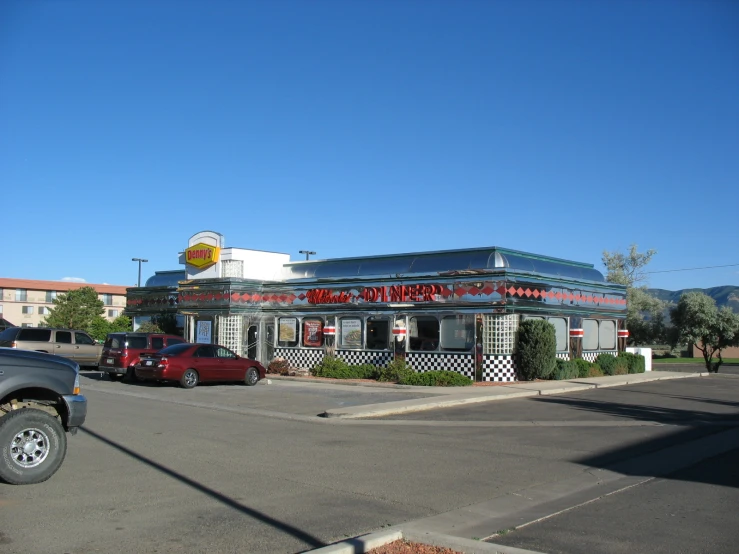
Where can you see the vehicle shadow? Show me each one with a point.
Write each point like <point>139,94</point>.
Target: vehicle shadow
<point>305,537</point>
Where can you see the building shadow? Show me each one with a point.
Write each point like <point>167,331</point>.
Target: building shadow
<point>299,534</point>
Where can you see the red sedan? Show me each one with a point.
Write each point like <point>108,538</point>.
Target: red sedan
<point>189,364</point>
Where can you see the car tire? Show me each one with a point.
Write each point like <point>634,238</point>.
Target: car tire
<point>252,377</point>
<point>189,379</point>
<point>33,445</point>
<point>130,376</point>
<point>115,376</point>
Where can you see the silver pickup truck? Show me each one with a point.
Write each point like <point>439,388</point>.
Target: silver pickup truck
<point>40,402</point>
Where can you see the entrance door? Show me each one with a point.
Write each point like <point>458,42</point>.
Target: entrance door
<point>251,342</point>
<point>267,344</point>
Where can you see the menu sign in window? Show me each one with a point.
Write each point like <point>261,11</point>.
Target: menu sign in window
<point>351,333</point>
<point>288,331</point>
<point>313,332</point>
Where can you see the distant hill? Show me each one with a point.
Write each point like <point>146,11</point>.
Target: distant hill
<point>724,296</point>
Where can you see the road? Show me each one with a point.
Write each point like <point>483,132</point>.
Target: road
<point>229,468</point>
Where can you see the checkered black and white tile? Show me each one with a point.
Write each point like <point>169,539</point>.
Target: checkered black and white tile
<point>303,358</point>
<point>498,368</point>
<point>461,363</point>
<point>591,356</point>
<point>359,357</point>
<point>563,355</point>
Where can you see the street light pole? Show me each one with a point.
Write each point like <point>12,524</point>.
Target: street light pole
<point>306,252</point>
<point>140,260</point>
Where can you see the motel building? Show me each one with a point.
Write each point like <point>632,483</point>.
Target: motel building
<point>456,310</point>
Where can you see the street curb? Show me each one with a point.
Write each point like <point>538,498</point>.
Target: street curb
<point>360,544</point>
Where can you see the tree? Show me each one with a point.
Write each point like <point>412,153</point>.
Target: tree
<point>101,327</point>
<point>537,349</point>
<point>701,323</point>
<point>644,313</point>
<point>75,309</point>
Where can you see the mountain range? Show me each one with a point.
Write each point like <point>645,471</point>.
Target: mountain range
<point>724,296</point>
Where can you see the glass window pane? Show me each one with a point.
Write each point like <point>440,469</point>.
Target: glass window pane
<point>64,337</point>
<point>157,343</point>
<point>590,334</point>
<point>313,332</point>
<point>458,333</point>
<point>607,335</point>
<point>378,333</point>
<point>82,338</point>
<point>350,334</point>
<point>205,352</point>
<point>560,332</point>
<point>288,331</point>
<point>424,333</point>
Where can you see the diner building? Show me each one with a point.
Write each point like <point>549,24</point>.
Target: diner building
<point>456,310</point>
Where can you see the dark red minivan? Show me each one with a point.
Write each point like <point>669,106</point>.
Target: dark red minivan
<point>121,352</point>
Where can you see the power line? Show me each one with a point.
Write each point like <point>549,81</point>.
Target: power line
<point>692,268</point>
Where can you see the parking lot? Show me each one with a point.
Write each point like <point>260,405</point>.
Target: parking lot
<point>230,468</point>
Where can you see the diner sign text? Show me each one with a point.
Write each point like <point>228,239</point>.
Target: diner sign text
<point>395,293</point>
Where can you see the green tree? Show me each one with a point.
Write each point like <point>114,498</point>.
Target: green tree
<point>101,327</point>
<point>645,318</point>
<point>537,349</point>
<point>75,309</point>
<point>701,323</point>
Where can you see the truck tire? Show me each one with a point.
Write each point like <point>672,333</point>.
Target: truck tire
<point>32,446</point>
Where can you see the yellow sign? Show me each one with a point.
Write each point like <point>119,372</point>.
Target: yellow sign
<point>202,255</point>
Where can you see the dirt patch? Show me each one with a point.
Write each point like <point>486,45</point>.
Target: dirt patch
<point>407,547</point>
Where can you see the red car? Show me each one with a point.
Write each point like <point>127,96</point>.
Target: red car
<point>189,364</point>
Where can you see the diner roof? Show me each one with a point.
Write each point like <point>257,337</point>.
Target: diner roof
<point>444,262</point>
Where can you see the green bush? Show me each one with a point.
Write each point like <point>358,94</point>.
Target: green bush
<point>607,363</point>
<point>634,362</point>
<point>336,368</point>
<point>583,367</point>
<point>565,370</point>
<point>594,371</point>
<point>622,366</point>
<point>537,349</point>
<point>436,379</point>
<point>395,371</point>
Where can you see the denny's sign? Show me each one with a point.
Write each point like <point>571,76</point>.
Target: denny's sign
<point>202,255</point>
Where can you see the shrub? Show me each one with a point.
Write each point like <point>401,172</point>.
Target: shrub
<point>607,363</point>
<point>634,362</point>
<point>279,366</point>
<point>537,349</point>
<point>621,367</point>
<point>583,367</point>
<point>565,370</point>
<point>436,379</point>
<point>595,371</point>
<point>395,371</point>
<point>336,368</point>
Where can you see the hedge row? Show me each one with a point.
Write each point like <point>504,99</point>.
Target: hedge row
<point>605,364</point>
<point>397,371</point>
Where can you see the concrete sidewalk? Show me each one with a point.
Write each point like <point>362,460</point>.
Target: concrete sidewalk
<point>456,396</point>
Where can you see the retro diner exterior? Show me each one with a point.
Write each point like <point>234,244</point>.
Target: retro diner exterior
<point>457,310</point>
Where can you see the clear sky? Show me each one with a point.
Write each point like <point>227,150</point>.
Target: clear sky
<point>356,128</point>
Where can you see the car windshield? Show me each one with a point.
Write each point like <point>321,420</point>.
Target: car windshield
<point>175,349</point>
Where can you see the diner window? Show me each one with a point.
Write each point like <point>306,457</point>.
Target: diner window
<point>607,335</point>
<point>378,334</point>
<point>27,309</point>
<point>21,295</point>
<point>424,333</point>
<point>287,334</point>
<point>458,333</point>
<point>50,295</point>
<point>313,332</point>
<point>350,332</point>
<point>560,332</point>
<point>599,335</point>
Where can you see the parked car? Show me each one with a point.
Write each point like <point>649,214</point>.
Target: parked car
<point>69,343</point>
<point>190,364</point>
<point>39,400</point>
<point>121,351</point>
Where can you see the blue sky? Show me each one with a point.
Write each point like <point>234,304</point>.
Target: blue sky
<point>357,128</point>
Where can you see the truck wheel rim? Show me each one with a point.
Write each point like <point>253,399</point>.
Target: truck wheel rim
<point>29,448</point>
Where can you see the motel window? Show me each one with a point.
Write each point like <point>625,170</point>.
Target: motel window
<point>599,335</point>
<point>42,310</point>
<point>65,337</point>
<point>1,308</point>
<point>112,313</point>
<point>313,332</point>
<point>21,295</point>
<point>50,295</point>
<point>424,333</point>
<point>458,333</point>
<point>27,309</point>
<point>287,333</point>
<point>107,299</point>
<point>26,325</point>
<point>350,332</point>
<point>378,334</point>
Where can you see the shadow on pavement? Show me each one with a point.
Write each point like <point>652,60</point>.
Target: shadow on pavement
<point>299,534</point>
